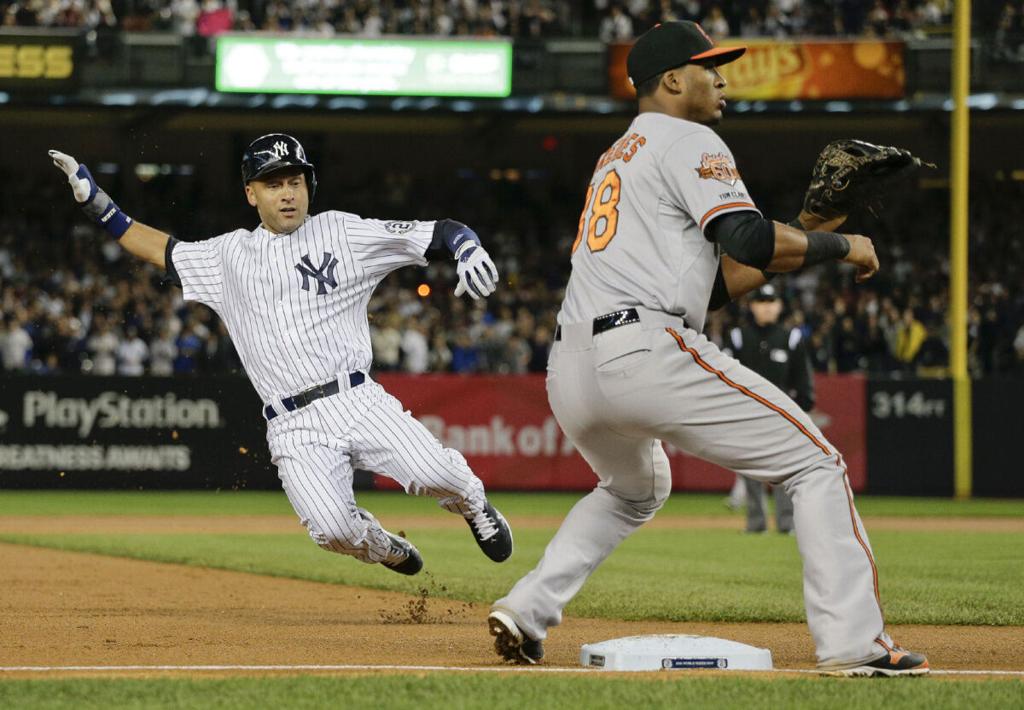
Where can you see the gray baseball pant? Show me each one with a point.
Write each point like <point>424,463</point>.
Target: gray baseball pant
<point>619,394</point>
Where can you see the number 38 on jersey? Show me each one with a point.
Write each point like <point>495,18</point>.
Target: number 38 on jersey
<point>600,217</point>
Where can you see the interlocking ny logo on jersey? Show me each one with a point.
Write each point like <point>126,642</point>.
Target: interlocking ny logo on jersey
<point>325,275</point>
<point>718,166</point>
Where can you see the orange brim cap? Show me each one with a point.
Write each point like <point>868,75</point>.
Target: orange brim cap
<point>721,55</point>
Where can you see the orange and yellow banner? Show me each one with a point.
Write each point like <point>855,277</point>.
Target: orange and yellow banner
<point>774,70</point>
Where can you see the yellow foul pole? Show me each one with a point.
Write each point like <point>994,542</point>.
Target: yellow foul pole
<point>959,147</point>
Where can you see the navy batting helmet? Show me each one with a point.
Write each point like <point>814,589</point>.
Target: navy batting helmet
<point>273,152</point>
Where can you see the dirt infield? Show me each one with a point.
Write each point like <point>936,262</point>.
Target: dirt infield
<point>64,608</point>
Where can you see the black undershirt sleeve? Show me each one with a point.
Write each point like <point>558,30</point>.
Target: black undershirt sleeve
<point>746,236</point>
<point>447,239</point>
<point>171,275</point>
<point>719,292</point>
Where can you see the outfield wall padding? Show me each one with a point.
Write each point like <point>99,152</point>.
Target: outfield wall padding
<point>207,432</point>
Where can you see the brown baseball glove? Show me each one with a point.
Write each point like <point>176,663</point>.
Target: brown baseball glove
<point>850,173</point>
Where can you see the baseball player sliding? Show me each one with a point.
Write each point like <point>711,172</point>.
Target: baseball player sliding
<point>667,232</point>
<point>293,293</point>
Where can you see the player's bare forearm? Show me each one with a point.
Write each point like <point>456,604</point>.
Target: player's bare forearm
<point>812,222</point>
<point>740,278</point>
<point>794,249</point>
<point>790,249</point>
<point>146,243</point>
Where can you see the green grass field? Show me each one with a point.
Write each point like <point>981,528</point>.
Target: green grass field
<point>452,692</point>
<point>928,577</point>
<point>275,503</point>
<point>935,577</point>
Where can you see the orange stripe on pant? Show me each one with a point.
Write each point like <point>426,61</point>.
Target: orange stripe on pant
<point>864,545</point>
<point>740,388</point>
<point>788,417</point>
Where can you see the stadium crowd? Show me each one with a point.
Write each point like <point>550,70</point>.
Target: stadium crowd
<point>611,20</point>
<point>72,302</point>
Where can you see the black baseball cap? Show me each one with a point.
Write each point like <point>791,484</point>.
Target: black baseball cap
<point>671,44</point>
<point>767,293</point>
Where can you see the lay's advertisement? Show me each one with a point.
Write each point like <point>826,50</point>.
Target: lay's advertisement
<point>772,70</point>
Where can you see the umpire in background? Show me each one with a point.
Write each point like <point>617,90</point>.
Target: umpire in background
<point>779,355</point>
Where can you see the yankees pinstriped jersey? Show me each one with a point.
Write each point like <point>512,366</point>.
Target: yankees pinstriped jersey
<point>641,234</point>
<point>295,304</point>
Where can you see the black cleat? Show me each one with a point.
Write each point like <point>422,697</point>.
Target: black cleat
<point>492,533</point>
<point>404,557</point>
<point>897,662</point>
<point>511,643</point>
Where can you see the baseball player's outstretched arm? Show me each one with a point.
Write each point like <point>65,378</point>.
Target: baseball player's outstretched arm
<point>478,276</point>
<point>775,247</point>
<point>138,239</point>
<point>795,248</point>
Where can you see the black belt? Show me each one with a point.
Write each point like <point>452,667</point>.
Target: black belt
<point>608,321</point>
<point>302,399</point>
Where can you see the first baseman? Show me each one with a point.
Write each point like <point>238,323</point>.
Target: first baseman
<point>668,231</point>
<point>293,294</point>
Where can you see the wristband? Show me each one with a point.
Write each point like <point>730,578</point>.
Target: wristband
<point>454,235</point>
<point>113,219</point>
<point>825,246</point>
<point>101,209</point>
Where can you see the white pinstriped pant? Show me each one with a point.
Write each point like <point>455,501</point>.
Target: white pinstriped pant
<point>317,448</point>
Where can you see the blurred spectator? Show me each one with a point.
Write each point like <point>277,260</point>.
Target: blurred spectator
<point>617,26</point>
<point>752,24</point>
<point>16,345</point>
<point>188,348</point>
<point>910,335</point>
<point>1018,347</point>
<point>440,353</point>
<point>518,18</point>
<point>62,295</point>
<point>221,355</point>
<point>162,353</point>
<point>102,347</point>
<point>415,348</point>
<point>387,343</point>
<point>465,354</point>
<point>132,353</point>
<point>715,23</point>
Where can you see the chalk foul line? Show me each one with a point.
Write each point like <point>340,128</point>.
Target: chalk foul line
<point>412,668</point>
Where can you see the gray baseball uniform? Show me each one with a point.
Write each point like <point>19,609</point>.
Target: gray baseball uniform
<point>621,384</point>
<point>295,306</point>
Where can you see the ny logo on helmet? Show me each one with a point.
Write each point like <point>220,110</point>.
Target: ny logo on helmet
<point>325,275</point>
<point>278,150</point>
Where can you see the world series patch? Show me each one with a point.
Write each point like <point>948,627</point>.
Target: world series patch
<point>398,227</point>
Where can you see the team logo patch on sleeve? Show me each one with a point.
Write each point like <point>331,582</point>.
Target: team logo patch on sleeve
<point>718,166</point>
<point>398,227</point>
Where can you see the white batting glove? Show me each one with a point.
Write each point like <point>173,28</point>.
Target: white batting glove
<point>81,181</point>
<point>478,276</point>
<point>95,202</point>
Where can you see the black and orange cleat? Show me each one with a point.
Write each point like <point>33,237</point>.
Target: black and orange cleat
<point>896,662</point>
